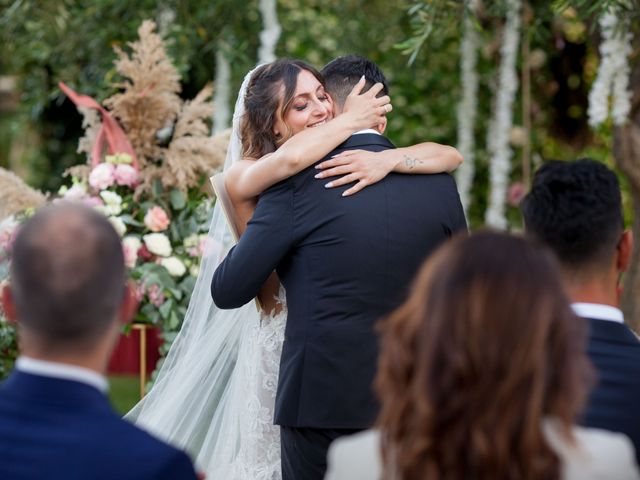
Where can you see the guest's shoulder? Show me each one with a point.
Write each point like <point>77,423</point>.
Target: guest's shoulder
<point>594,453</point>
<point>356,457</point>
<point>154,457</point>
<point>367,440</point>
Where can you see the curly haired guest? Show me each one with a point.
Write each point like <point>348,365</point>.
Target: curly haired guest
<point>482,373</point>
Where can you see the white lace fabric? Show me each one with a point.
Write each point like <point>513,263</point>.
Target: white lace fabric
<point>259,362</point>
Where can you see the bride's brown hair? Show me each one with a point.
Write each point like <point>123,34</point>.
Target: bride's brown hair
<point>269,93</point>
<point>485,348</point>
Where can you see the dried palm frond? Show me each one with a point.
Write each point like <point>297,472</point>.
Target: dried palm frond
<point>150,98</point>
<point>187,160</point>
<point>81,172</point>
<point>91,123</point>
<point>15,195</point>
<point>192,152</point>
<point>193,115</point>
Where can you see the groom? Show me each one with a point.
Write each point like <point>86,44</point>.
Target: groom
<point>344,262</point>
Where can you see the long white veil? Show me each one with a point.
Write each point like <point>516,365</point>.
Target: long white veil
<point>195,401</point>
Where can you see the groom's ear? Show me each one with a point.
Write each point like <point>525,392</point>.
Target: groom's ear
<point>382,126</point>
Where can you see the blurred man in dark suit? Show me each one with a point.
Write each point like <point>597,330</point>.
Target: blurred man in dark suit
<point>575,208</point>
<point>68,297</point>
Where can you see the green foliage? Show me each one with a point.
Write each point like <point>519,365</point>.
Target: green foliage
<point>72,41</point>
<point>124,392</point>
<point>8,347</point>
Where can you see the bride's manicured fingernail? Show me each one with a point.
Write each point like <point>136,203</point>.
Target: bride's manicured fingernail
<point>318,175</point>
<point>328,185</point>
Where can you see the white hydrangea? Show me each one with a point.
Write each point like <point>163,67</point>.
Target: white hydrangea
<point>112,203</point>
<point>118,224</point>
<point>174,266</point>
<point>158,244</point>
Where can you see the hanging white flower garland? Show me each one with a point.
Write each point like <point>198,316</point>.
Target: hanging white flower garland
<point>221,112</point>
<point>613,72</point>
<point>270,32</point>
<point>467,108</point>
<point>502,119</point>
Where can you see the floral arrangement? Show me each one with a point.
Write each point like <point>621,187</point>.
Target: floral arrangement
<point>149,156</point>
<point>163,236</point>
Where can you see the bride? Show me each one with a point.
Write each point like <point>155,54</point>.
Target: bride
<point>215,393</point>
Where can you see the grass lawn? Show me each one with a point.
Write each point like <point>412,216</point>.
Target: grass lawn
<point>124,392</point>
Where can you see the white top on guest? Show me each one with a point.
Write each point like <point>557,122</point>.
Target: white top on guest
<point>595,455</point>
<point>62,371</point>
<point>598,311</point>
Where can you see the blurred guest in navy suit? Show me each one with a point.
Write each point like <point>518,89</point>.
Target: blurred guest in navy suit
<point>69,299</point>
<point>575,208</point>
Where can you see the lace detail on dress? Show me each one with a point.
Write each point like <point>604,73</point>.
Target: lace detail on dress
<point>259,450</point>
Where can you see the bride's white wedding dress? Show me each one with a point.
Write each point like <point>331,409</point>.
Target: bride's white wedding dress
<point>215,393</point>
<point>259,453</point>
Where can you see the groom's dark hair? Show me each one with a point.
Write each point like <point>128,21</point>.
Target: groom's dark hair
<point>343,73</point>
<point>67,275</point>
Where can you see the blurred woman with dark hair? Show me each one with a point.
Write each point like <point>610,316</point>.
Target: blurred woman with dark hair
<point>482,374</point>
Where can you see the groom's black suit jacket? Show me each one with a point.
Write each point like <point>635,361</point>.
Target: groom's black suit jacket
<point>344,262</point>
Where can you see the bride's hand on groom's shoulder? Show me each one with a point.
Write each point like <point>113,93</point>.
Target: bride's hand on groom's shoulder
<point>363,110</point>
<point>361,166</point>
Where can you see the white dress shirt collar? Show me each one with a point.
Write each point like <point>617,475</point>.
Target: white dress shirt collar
<point>63,371</point>
<point>598,311</point>
<point>366,130</point>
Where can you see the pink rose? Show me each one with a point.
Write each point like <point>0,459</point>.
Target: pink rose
<point>156,219</point>
<point>102,176</point>
<point>145,254</point>
<point>516,193</point>
<point>126,175</point>
<point>156,297</point>
<point>93,202</point>
<point>130,247</point>
<point>7,237</point>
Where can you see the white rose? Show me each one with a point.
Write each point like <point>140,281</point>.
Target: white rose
<point>191,241</point>
<point>158,244</point>
<point>194,270</point>
<point>130,246</point>
<point>76,193</point>
<point>174,266</point>
<point>118,224</point>
<point>112,203</point>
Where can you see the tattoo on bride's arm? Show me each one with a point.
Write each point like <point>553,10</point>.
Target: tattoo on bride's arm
<point>411,162</point>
